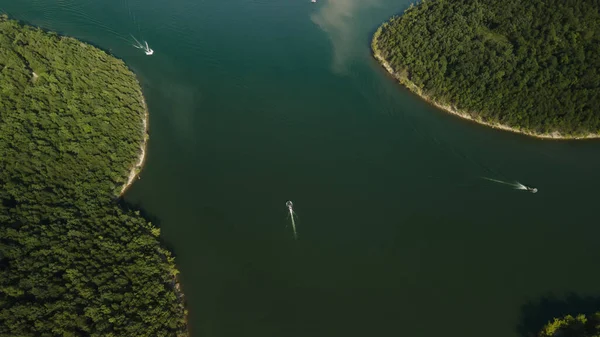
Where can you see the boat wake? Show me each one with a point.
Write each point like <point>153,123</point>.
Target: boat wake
<point>290,207</point>
<point>516,185</point>
<point>144,46</point>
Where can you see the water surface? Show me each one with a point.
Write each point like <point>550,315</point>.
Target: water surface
<point>254,102</point>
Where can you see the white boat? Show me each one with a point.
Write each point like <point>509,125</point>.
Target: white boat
<point>532,189</point>
<point>148,50</point>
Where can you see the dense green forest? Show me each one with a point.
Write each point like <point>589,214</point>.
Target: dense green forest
<point>533,65</point>
<point>72,261</point>
<point>573,326</point>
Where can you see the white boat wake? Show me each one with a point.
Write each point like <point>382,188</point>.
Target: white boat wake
<point>290,207</point>
<point>516,185</point>
<point>144,46</point>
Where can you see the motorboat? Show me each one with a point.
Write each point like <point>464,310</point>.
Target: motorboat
<point>148,50</point>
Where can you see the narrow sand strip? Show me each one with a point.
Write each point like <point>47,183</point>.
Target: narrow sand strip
<point>135,170</point>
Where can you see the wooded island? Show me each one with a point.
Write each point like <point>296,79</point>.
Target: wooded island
<point>72,261</point>
<point>527,66</point>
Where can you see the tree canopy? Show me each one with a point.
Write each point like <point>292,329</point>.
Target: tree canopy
<point>72,261</point>
<point>573,326</point>
<point>532,65</point>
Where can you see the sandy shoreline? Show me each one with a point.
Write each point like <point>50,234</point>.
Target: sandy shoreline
<point>133,173</point>
<point>135,170</point>
<point>463,114</point>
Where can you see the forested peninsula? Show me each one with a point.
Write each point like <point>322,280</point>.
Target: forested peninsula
<point>528,66</point>
<point>73,262</point>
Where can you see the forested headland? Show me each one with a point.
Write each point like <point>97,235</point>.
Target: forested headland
<point>573,326</point>
<point>72,261</point>
<point>530,66</point>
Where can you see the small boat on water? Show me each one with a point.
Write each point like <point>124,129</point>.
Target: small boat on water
<point>143,46</point>
<point>148,50</point>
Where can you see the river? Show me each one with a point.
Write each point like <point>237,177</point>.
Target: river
<point>256,102</point>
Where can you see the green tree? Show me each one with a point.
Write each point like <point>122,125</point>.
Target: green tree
<point>573,326</point>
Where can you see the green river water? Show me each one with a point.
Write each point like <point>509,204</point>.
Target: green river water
<point>256,102</point>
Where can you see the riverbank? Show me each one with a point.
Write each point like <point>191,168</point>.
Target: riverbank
<point>460,113</point>
<point>137,167</point>
<point>181,297</point>
<point>133,173</point>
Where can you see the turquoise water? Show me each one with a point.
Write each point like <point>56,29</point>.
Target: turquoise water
<point>254,103</point>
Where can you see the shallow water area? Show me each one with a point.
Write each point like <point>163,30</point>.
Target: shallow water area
<point>256,102</point>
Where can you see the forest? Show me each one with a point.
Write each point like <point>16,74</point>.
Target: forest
<point>573,326</point>
<point>73,262</point>
<point>532,65</point>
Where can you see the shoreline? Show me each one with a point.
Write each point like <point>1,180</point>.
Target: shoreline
<point>137,167</point>
<point>133,173</point>
<point>181,297</point>
<point>463,114</point>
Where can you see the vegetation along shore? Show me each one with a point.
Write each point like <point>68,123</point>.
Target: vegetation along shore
<point>137,167</point>
<point>530,67</point>
<point>73,262</point>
